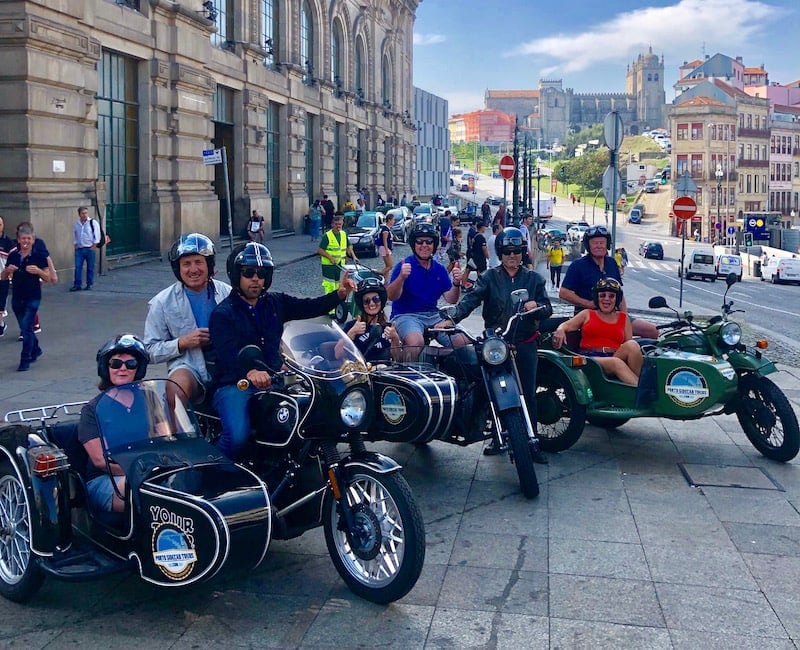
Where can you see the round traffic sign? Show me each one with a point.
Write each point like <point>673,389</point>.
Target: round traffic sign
<point>507,167</point>
<point>684,207</point>
<point>731,230</point>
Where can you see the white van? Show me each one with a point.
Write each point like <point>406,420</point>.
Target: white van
<point>729,264</point>
<point>701,265</point>
<point>781,269</point>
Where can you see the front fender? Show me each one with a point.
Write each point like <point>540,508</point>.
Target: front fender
<point>371,460</point>
<point>747,362</point>
<point>504,391</point>
<point>553,361</point>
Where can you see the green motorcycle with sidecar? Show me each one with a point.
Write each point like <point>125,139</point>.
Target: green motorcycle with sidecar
<point>692,370</point>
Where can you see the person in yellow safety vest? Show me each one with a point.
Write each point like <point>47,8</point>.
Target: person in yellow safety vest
<point>333,250</point>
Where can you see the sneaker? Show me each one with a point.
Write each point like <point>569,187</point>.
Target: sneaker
<point>493,449</point>
<point>74,288</point>
<point>19,338</point>
<point>36,354</point>
<point>88,287</point>
<point>23,366</point>
<point>2,330</point>
<point>37,329</point>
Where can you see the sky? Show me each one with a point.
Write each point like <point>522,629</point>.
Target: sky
<point>464,47</point>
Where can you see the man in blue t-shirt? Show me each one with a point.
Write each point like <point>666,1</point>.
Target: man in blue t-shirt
<point>415,286</point>
<point>27,268</point>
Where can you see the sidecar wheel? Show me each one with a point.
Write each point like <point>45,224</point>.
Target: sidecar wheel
<point>604,422</point>
<point>520,447</point>
<point>382,558</point>
<point>20,577</point>
<point>560,418</point>
<point>767,418</point>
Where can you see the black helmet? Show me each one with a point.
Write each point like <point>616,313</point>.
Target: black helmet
<point>509,238</point>
<point>596,231</point>
<point>607,284</point>
<point>370,285</point>
<point>193,243</point>
<point>255,255</point>
<point>423,230</point>
<point>128,343</point>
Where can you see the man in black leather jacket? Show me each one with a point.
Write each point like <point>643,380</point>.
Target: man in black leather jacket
<point>251,315</point>
<point>493,289</point>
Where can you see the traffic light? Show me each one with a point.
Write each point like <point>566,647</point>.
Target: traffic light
<point>563,174</point>
<point>748,239</point>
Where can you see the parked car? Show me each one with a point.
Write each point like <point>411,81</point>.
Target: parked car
<point>362,234</point>
<point>651,250</point>
<point>780,270</point>
<point>576,233</point>
<point>571,224</point>
<point>651,186</point>
<point>403,222</point>
<point>425,212</point>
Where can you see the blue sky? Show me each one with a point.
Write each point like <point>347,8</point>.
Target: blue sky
<point>463,47</point>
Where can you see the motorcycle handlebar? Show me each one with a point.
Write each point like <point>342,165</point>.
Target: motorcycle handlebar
<point>676,324</point>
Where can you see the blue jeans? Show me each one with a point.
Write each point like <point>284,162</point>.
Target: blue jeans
<point>25,311</point>
<point>84,255</point>
<point>230,403</point>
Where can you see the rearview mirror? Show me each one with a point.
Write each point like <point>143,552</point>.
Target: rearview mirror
<point>657,302</point>
<point>519,296</point>
<point>250,358</point>
<point>731,279</point>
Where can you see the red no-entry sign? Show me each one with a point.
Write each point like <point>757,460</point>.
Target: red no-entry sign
<point>684,207</point>
<point>507,167</point>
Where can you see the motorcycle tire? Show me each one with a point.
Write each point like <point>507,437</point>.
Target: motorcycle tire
<point>767,418</point>
<point>385,561</point>
<point>519,447</point>
<point>20,577</point>
<point>605,422</point>
<point>560,418</point>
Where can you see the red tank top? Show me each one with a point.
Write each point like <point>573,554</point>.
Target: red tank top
<point>597,334</point>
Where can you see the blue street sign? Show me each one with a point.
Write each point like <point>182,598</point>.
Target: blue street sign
<point>731,230</point>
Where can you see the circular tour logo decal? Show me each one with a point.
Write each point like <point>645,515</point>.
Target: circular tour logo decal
<point>173,543</point>
<point>392,406</point>
<point>686,387</point>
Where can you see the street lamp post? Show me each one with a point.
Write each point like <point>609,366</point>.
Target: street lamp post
<point>719,175</point>
<point>538,197</point>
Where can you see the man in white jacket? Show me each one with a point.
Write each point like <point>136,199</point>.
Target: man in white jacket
<point>176,329</point>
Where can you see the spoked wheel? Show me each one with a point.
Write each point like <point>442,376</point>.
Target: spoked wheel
<point>767,418</point>
<point>560,417</point>
<point>20,578</point>
<point>381,557</point>
<point>519,445</point>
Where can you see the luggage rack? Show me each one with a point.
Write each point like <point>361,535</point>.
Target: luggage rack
<point>41,413</point>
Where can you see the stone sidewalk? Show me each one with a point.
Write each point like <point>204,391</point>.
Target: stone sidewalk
<point>660,534</point>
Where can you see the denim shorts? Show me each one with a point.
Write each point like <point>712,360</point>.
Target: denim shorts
<point>406,324</point>
<point>100,491</point>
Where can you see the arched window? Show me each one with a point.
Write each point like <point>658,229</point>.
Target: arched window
<point>337,64</point>
<point>360,76</point>
<point>386,82</point>
<point>306,37</point>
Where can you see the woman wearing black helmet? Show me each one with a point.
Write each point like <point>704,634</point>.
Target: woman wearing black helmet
<point>606,333</point>
<point>121,361</point>
<point>252,315</point>
<point>372,334</point>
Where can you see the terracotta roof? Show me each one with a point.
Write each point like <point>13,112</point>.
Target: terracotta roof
<point>780,108</point>
<point>512,93</point>
<point>754,70</point>
<point>701,101</point>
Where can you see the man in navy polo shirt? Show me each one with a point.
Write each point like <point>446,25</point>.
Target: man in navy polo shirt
<point>27,268</point>
<point>415,286</point>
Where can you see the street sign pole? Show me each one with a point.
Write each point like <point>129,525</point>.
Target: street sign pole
<point>227,196</point>
<point>684,208</point>
<point>614,132</point>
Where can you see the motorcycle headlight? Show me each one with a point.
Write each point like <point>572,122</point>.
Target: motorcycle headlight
<point>495,351</point>
<point>730,333</point>
<point>353,408</point>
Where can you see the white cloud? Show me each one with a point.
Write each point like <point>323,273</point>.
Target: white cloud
<point>719,25</point>
<point>428,39</point>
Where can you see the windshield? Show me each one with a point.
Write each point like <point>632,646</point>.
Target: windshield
<point>366,221</point>
<point>320,346</point>
<point>422,209</point>
<point>136,414</point>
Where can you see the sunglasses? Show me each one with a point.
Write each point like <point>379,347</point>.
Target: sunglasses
<point>249,272</point>
<point>375,300</point>
<point>130,364</point>
<point>607,294</point>
<point>425,242</point>
<point>513,251</point>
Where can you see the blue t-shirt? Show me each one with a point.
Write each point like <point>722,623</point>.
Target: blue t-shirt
<point>583,274</point>
<point>202,305</point>
<point>422,289</point>
<point>27,286</point>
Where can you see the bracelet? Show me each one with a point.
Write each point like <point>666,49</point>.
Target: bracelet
<point>457,285</point>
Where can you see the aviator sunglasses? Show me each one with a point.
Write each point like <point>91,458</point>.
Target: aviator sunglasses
<point>375,300</point>
<point>130,364</point>
<point>248,273</point>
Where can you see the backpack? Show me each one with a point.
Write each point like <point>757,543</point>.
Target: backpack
<point>379,236</point>
<point>102,241</point>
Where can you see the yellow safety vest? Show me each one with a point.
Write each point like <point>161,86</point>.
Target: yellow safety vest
<point>337,249</point>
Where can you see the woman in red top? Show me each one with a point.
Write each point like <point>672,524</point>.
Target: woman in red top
<point>606,333</point>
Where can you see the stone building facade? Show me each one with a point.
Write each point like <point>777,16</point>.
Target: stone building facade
<point>112,102</point>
